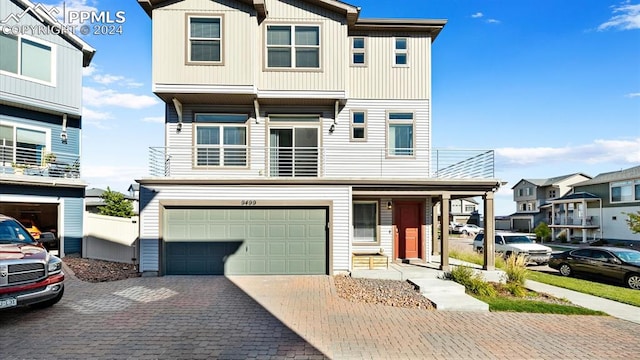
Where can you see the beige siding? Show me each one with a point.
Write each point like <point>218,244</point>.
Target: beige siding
<point>239,29</point>
<point>338,195</point>
<point>334,46</point>
<point>380,79</point>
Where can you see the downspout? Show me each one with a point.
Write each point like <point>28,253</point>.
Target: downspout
<point>178,106</point>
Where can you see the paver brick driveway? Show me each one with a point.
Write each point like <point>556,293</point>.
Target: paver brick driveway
<point>298,317</point>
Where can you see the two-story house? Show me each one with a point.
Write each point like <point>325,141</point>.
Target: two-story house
<point>297,135</point>
<point>40,121</point>
<point>465,211</point>
<point>597,208</point>
<point>533,196</point>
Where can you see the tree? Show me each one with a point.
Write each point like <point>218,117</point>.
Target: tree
<point>633,220</point>
<point>115,204</point>
<point>543,232</point>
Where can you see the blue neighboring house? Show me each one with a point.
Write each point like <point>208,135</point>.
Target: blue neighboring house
<point>41,121</point>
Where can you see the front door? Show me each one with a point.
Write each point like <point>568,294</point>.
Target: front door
<point>407,220</point>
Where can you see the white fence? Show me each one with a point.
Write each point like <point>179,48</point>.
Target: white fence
<point>110,238</point>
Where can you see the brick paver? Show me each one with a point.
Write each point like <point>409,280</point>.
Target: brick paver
<point>287,317</point>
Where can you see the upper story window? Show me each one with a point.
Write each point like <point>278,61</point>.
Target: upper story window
<point>27,58</point>
<point>358,125</point>
<point>205,39</point>
<point>358,51</point>
<point>528,191</point>
<point>552,194</point>
<point>221,140</point>
<point>23,145</point>
<point>469,208</point>
<point>400,134</point>
<point>293,46</point>
<point>625,191</point>
<point>400,54</point>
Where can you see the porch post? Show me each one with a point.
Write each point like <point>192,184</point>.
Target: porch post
<point>444,244</point>
<point>489,233</point>
<point>436,209</point>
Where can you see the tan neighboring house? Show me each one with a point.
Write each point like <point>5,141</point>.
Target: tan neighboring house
<point>297,138</point>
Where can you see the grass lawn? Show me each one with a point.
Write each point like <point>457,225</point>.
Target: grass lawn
<point>499,303</point>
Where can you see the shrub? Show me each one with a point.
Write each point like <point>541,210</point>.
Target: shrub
<point>516,269</point>
<point>516,289</point>
<point>543,232</point>
<point>472,281</point>
<point>563,238</point>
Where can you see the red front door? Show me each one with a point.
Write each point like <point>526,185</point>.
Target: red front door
<point>407,219</point>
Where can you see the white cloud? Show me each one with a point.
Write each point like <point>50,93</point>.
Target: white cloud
<point>95,118</point>
<point>154,119</point>
<point>477,15</point>
<point>109,97</point>
<point>600,151</point>
<point>493,21</point>
<point>107,78</point>
<point>626,16</point>
<point>89,70</point>
<point>632,95</point>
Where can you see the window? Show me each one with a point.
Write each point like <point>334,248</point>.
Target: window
<point>400,134</point>
<point>469,208</point>
<point>552,194</point>
<point>293,46</point>
<point>27,58</point>
<point>293,145</point>
<point>358,126</point>
<point>523,207</point>
<point>365,221</point>
<point>400,54</point>
<point>625,191</point>
<point>528,191</point>
<point>358,51</point>
<point>222,143</point>
<point>22,145</point>
<point>529,207</point>
<point>520,192</point>
<point>205,39</point>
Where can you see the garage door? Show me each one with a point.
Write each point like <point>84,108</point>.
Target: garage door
<point>522,225</point>
<point>243,241</point>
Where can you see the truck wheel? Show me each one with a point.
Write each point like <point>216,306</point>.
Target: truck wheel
<point>48,303</point>
<point>565,270</point>
<point>633,281</point>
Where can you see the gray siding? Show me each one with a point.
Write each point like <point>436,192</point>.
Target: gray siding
<point>73,215</point>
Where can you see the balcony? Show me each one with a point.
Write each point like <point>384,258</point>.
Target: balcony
<point>239,161</point>
<point>27,161</point>
<point>587,222</point>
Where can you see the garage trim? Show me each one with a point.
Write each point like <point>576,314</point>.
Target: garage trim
<point>248,204</point>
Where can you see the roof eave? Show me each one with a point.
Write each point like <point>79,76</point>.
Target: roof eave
<point>431,26</point>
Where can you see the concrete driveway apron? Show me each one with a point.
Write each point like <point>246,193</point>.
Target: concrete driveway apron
<point>287,317</point>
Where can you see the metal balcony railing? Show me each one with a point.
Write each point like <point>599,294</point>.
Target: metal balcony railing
<point>588,221</point>
<point>335,162</point>
<point>36,161</point>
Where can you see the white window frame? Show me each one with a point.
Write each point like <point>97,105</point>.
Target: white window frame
<point>14,134</point>
<point>220,39</point>
<point>376,239</point>
<point>362,51</point>
<point>397,51</point>
<point>53,51</point>
<point>292,46</point>
<point>631,185</point>
<point>354,126</point>
<point>221,146</point>
<point>391,152</point>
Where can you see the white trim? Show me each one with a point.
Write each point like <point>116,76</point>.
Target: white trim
<point>296,94</point>
<point>397,51</point>
<point>32,103</point>
<point>52,51</point>
<point>189,39</point>
<point>205,89</point>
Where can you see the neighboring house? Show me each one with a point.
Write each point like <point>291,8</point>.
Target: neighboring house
<point>465,211</point>
<point>93,200</point>
<point>134,196</point>
<point>597,208</point>
<point>533,197</point>
<point>40,121</point>
<point>297,136</point>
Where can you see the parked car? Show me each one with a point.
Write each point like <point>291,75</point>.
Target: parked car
<point>31,227</point>
<point>29,275</point>
<point>508,244</point>
<point>621,265</point>
<point>467,229</point>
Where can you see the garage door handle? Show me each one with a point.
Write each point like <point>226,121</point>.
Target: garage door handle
<point>246,248</point>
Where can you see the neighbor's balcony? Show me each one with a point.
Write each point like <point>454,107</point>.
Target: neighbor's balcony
<point>27,161</point>
<point>579,222</point>
<point>328,162</point>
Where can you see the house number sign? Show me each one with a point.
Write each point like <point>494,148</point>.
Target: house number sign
<point>247,203</point>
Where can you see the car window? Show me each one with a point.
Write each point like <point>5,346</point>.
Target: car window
<point>600,255</point>
<point>582,252</point>
<point>11,231</point>
<point>479,237</point>
<point>628,256</point>
<point>517,239</point>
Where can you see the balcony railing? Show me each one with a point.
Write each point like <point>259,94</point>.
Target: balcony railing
<point>589,221</point>
<point>35,161</point>
<point>346,161</point>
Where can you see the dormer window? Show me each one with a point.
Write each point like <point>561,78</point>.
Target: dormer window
<point>293,46</point>
<point>205,39</point>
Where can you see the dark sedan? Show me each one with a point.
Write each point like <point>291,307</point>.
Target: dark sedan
<point>607,263</point>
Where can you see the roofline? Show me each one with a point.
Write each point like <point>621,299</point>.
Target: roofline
<point>432,26</point>
<point>87,50</point>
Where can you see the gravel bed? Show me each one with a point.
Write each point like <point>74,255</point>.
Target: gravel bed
<point>92,270</point>
<point>384,292</point>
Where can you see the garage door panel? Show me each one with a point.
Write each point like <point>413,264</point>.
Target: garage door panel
<point>246,241</point>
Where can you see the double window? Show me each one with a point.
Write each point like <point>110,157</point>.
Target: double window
<point>28,58</point>
<point>293,46</point>
<point>22,145</point>
<point>625,191</point>
<point>401,52</point>
<point>358,51</point>
<point>358,125</point>
<point>221,140</point>
<point>400,138</point>
<point>365,221</point>
<point>205,39</point>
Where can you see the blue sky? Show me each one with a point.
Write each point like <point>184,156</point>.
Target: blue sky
<point>552,86</point>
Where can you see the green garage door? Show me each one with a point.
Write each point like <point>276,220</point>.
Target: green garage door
<point>245,241</point>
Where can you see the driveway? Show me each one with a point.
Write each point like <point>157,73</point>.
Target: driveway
<point>298,317</point>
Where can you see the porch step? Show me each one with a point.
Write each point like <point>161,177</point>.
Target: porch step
<point>448,295</point>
